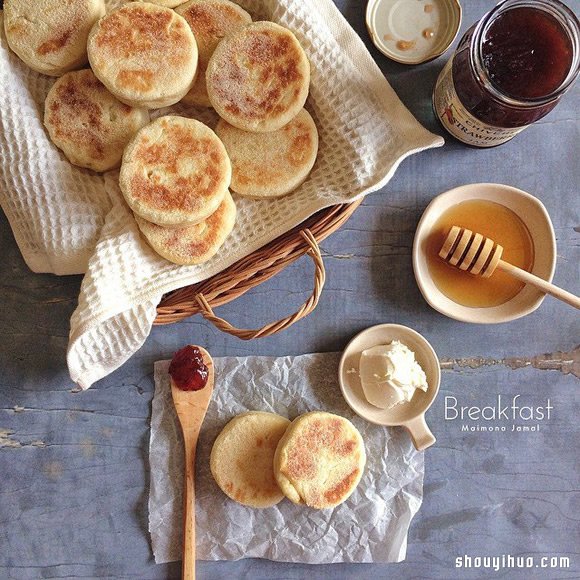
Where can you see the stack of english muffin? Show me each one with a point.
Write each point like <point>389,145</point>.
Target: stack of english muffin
<point>316,460</point>
<point>175,172</point>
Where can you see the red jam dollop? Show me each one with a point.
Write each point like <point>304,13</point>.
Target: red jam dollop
<point>187,369</point>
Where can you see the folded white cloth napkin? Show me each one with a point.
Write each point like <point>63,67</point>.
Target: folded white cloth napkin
<point>68,220</point>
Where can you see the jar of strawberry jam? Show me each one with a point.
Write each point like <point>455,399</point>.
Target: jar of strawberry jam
<point>510,69</point>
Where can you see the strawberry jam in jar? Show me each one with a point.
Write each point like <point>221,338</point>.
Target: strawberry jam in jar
<point>510,69</point>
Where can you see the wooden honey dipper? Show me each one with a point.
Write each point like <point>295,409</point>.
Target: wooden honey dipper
<point>481,256</point>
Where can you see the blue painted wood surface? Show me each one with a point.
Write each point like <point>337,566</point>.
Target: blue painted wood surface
<point>73,466</point>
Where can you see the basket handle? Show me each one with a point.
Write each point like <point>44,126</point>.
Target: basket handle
<point>274,327</point>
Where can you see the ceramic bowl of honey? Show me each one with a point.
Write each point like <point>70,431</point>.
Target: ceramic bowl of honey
<point>513,218</point>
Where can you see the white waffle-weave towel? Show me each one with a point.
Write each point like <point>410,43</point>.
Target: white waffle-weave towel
<point>68,220</point>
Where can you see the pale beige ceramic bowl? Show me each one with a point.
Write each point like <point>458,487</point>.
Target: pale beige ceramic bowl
<point>534,215</point>
<point>410,415</point>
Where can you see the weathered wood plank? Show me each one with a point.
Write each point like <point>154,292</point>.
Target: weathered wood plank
<point>73,466</point>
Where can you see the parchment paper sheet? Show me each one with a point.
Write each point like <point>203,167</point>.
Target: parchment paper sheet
<point>371,526</point>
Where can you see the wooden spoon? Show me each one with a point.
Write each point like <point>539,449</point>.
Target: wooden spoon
<point>191,407</point>
<point>481,256</point>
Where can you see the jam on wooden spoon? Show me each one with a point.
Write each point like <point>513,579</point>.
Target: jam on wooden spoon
<point>192,381</point>
<point>187,369</point>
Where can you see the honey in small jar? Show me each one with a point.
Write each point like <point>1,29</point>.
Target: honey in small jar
<point>494,221</point>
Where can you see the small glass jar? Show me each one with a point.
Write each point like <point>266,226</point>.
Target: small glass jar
<point>509,70</point>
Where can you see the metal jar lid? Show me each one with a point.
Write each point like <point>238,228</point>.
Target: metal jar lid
<point>413,31</point>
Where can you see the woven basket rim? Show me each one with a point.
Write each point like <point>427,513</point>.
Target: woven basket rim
<point>254,269</point>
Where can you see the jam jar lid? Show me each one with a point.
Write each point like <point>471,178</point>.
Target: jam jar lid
<point>413,31</point>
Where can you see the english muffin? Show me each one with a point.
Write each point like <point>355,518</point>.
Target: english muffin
<point>242,455</point>
<point>270,164</point>
<point>166,3</point>
<point>319,460</point>
<point>194,244</point>
<point>88,123</point>
<point>175,172</point>
<point>258,77</point>
<point>210,21</point>
<point>146,55</point>
<point>51,36</point>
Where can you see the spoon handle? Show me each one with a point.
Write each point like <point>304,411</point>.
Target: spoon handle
<point>542,285</point>
<point>188,567</point>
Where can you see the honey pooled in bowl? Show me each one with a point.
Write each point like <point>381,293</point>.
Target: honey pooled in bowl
<point>494,221</point>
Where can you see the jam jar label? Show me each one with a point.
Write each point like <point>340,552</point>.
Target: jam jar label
<point>459,121</point>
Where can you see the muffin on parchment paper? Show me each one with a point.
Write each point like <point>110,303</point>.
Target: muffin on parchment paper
<point>88,123</point>
<point>145,54</point>
<point>210,21</point>
<point>51,36</point>
<point>242,455</point>
<point>319,460</point>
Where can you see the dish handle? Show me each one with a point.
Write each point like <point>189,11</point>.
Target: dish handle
<point>420,433</point>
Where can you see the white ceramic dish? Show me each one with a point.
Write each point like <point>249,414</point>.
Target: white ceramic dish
<point>409,415</point>
<point>534,215</point>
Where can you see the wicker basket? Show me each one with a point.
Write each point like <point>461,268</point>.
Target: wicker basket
<point>257,268</point>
